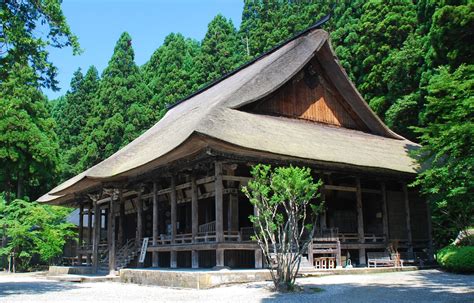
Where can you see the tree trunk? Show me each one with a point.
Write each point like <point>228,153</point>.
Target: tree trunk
<point>19,186</point>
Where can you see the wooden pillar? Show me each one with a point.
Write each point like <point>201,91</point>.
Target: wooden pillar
<point>173,259</point>
<point>96,239</point>
<point>430,232</point>
<point>121,227</point>
<point>384,211</point>
<point>139,218</point>
<point>219,203</point>
<point>111,236</point>
<point>173,203</point>
<point>195,259</point>
<point>323,212</point>
<point>360,222</point>
<point>233,203</point>
<point>89,234</point>
<point>233,213</point>
<point>194,209</point>
<point>258,258</point>
<point>219,258</point>
<point>80,244</point>
<point>407,216</point>
<point>155,224</point>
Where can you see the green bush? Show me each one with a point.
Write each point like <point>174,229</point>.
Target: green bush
<point>459,259</point>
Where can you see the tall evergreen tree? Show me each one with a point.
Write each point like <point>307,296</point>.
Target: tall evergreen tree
<point>120,112</point>
<point>266,23</point>
<point>221,50</point>
<point>170,72</point>
<point>28,144</point>
<point>72,113</point>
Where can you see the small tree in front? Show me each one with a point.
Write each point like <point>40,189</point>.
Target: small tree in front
<point>286,209</point>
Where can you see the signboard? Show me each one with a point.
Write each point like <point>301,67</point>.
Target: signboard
<point>143,250</point>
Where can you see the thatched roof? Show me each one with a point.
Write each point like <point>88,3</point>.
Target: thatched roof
<point>214,113</point>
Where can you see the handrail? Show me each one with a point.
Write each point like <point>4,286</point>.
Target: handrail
<point>207,227</point>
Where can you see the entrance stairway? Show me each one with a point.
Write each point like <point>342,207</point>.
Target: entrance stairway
<point>124,255</point>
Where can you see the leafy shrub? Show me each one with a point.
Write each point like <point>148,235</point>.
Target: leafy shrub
<point>459,259</point>
<point>35,233</point>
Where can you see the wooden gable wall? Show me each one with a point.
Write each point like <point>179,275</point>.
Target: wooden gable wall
<point>309,95</point>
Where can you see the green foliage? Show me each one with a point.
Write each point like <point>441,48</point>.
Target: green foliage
<point>22,41</point>
<point>28,144</point>
<point>459,259</point>
<point>285,201</point>
<point>72,113</point>
<point>120,111</point>
<point>221,50</point>
<point>267,23</point>
<point>448,151</point>
<point>452,26</point>
<point>33,230</point>
<point>170,73</point>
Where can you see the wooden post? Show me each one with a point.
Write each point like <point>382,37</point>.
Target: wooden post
<point>89,232</point>
<point>80,244</point>
<point>233,204</point>
<point>407,215</point>
<point>219,258</point>
<point>258,258</point>
<point>173,259</point>
<point>323,212</point>
<point>173,203</point>
<point>360,222</point>
<point>338,255</point>
<point>96,232</point>
<point>195,259</point>
<point>139,218</point>
<point>219,203</point>
<point>121,229</point>
<point>111,237</point>
<point>233,213</point>
<point>384,211</point>
<point>155,225</point>
<point>194,210</point>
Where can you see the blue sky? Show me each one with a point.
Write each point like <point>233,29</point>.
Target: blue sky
<point>99,23</point>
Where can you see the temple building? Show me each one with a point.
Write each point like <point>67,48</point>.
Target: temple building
<point>177,187</point>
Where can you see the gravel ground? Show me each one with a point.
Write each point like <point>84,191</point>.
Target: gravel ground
<point>416,286</point>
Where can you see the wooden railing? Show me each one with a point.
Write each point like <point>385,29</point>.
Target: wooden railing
<point>354,237</point>
<point>207,234</point>
<point>207,227</point>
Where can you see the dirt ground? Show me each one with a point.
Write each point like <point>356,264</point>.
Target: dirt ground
<point>416,286</point>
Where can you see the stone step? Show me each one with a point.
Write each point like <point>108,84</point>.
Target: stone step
<point>305,263</point>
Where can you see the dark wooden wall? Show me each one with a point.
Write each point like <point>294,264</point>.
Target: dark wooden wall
<point>309,95</point>
<point>396,215</point>
<point>418,216</point>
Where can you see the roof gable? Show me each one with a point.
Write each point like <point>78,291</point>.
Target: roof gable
<point>310,95</point>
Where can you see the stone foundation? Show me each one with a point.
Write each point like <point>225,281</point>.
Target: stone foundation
<point>72,270</point>
<point>198,279</point>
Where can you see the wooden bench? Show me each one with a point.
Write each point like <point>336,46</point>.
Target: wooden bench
<point>380,259</point>
<point>411,258</point>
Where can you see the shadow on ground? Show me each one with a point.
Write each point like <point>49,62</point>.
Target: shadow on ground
<point>420,287</point>
<point>33,287</point>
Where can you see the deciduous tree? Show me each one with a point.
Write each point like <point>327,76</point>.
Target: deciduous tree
<point>286,201</point>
